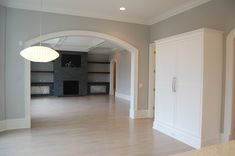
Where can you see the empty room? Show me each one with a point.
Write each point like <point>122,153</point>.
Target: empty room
<point>117,77</point>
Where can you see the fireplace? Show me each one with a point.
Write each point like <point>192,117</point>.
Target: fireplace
<point>71,87</point>
<point>70,74</point>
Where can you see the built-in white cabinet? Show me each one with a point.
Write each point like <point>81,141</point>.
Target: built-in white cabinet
<point>189,86</point>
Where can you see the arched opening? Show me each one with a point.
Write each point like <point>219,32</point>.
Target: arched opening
<point>229,109</point>
<point>123,44</point>
<point>113,74</point>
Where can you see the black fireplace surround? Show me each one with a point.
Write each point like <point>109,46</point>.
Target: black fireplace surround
<point>70,78</point>
<point>71,87</point>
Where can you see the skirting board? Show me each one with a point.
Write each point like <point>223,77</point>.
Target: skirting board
<point>14,124</point>
<point>184,137</point>
<point>227,137</point>
<point>140,114</point>
<point>122,96</point>
<point>187,139</point>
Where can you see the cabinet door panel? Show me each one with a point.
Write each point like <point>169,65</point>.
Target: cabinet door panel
<point>189,82</point>
<point>165,98</point>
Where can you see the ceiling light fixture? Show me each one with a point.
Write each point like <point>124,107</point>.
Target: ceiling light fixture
<point>39,53</point>
<point>122,8</point>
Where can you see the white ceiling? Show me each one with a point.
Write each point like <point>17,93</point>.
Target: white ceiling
<point>83,44</point>
<point>137,11</point>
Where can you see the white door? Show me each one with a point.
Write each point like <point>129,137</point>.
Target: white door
<point>166,72</point>
<point>188,88</point>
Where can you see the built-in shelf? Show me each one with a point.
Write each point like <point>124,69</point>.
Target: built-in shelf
<point>95,62</point>
<point>98,88</point>
<point>42,71</point>
<point>98,72</point>
<point>41,83</point>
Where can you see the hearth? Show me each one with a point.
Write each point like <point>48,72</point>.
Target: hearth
<point>71,87</point>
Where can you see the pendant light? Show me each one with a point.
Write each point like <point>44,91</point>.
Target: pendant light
<point>39,53</point>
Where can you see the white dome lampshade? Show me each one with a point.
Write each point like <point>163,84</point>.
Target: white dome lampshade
<point>39,54</point>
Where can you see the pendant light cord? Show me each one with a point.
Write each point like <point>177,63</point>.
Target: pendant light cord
<point>40,24</point>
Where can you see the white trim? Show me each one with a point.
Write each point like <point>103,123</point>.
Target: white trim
<point>170,13</point>
<point>123,96</point>
<point>134,64</point>
<point>141,114</point>
<point>28,93</point>
<point>111,85</point>
<point>178,135</point>
<point>13,124</point>
<point>229,85</point>
<point>212,141</point>
<point>178,10</point>
<point>16,124</point>
<point>225,137</point>
<point>151,92</point>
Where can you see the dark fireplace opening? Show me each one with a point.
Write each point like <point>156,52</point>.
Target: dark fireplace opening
<point>71,87</point>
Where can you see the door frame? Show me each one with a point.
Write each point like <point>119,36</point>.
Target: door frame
<point>111,88</point>
<point>125,45</point>
<point>151,90</point>
<point>229,108</point>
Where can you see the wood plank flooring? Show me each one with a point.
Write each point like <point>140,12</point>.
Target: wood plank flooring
<point>86,126</point>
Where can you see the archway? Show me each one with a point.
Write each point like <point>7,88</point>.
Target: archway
<point>229,87</point>
<point>113,69</point>
<point>134,65</point>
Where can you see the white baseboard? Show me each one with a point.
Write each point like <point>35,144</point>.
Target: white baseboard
<point>178,135</point>
<point>13,124</point>
<point>227,137</point>
<point>16,124</point>
<point>140,114</point>
<point>123,96</point>
<point>212,141</point>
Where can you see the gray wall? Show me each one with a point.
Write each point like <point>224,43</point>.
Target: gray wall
<point>123,71</point>
<point>98,68</point>
<point>2,62</point>
<point>23,25</point>
<point>217,14</point>
<point>42,77</point>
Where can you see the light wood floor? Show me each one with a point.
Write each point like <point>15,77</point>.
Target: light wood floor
<point>86,126</point>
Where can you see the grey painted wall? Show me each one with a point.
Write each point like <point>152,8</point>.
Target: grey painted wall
<point>24,25</point>
<point>2,62</point>
<point>123,71</point>
<point>42,77</point>
<point>217,14</point>
<point>98,67</point>
<point>42,66</point>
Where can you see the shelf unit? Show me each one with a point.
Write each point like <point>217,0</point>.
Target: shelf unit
<point>98,72</point>
<point>98,76</point>
<point>42,71</point>
<point>41,86</point>
<point>98,88</point>
<point>42,79</point>
<point>97,62</point>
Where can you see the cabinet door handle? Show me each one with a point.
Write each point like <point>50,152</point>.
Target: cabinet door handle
<point>174,84</point>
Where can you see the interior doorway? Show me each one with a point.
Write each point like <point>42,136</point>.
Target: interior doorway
<point>129,48</point>
<point>114,77</point>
